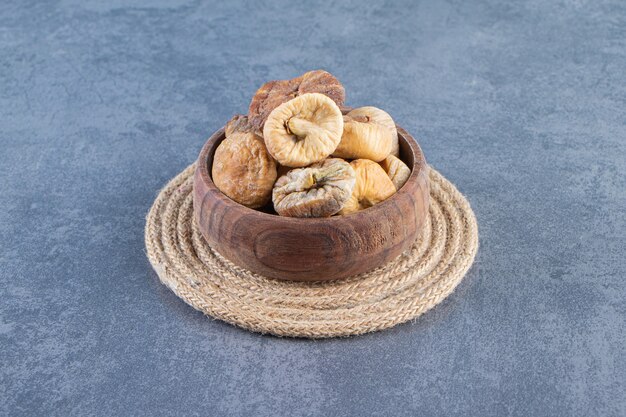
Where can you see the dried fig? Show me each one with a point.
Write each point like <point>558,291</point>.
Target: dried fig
<point>274,93</point>
<point>317,191</point>
<point>238,124</point>
<point>243,169</point>
<point>396,170</point>
<point>372,186</point>
<point>304,130</point>
<point>369,133</point>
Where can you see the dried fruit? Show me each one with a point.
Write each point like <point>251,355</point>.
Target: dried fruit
<point>369,133</point>
<point>372,186</point>
<point>304,130</point>
<point>274,93</point>
<point>396,170</point>
<point>238,124</point>
<point>243,169</point>
<point>317,191</point>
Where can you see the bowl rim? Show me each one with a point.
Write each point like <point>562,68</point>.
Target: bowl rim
<point>208,149</point>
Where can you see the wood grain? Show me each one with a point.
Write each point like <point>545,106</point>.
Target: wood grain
<point>312,249</point>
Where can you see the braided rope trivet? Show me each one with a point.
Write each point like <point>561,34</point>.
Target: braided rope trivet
<point>401,290</point>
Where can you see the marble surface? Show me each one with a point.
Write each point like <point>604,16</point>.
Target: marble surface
<point>520,104</point>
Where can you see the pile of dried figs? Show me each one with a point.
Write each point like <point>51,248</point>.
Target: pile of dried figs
<point>297,149</point>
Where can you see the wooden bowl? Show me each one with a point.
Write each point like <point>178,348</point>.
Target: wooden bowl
<point>313,249</point>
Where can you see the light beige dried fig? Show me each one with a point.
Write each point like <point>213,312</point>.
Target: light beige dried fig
<point>304,130</point>
<point>274,93</point>
<point>368,133</point>
<point>372,186</point>
<point>242,168</point>
<point>317,191</point>
<point>396,170</point>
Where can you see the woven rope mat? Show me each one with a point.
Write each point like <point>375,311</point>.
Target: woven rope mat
<point>394,293</point>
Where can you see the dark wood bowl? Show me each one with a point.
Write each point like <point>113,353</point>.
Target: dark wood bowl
<point>313,249</point>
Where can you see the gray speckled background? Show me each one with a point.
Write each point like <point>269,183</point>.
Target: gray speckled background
<point>522,105</point>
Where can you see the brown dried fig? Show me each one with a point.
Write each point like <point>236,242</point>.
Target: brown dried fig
<point>396,170</point>
<point>238,124</point>
<point>372,186</point>
<point>243,169</point>
<point>317,191</point>
<point>274,93</point>
<point>368,133</point>
<point>304,130</point>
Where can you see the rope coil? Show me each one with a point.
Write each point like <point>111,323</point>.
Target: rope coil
<point>399,291</point>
